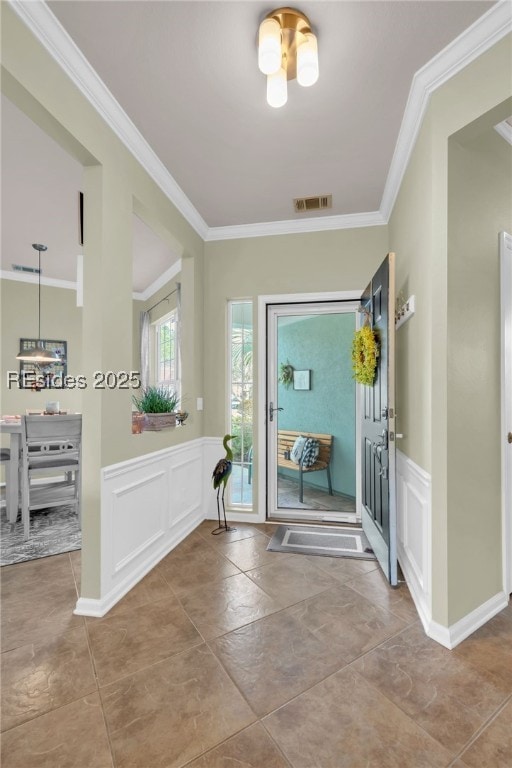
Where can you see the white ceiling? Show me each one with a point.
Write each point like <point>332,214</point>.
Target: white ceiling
<point>40,186</point>
<point>151,256</point>
<point>186,74</point>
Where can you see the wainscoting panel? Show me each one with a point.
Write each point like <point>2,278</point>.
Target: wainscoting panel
<point>138,509</point>
<point>185,486</point>
<point>148,505</point>
<point>414,515</point>
<point>415,556</point>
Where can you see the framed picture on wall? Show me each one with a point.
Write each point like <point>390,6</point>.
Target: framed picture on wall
<point>33,376</point>
<point>302,379</point>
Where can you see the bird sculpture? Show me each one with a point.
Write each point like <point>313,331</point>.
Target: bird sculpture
<point>220,477</point>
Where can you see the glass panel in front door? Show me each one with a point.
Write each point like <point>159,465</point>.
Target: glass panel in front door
<point>313,396</point>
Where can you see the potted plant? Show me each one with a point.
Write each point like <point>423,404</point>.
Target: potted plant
<point>286,374</point>
<point>158,404</point>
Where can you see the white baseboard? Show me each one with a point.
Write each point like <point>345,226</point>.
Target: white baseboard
<point>453,635</point>
<point>148,505</point>
<point>86,606</point>
<point>414,528</point>
<point>151,503</point>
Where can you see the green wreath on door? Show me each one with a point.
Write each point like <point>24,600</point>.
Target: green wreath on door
<point>365,351</point>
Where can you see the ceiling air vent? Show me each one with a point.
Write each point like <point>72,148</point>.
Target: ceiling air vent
<point>318,203</point>
<point>21,268</point>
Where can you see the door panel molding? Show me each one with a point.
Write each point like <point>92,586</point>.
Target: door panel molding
<point>377,447</point>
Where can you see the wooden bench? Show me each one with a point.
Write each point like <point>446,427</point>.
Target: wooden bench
<point>285,441</point>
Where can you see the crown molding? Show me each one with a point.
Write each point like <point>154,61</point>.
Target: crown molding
<point>158,283</point>
<point>505,130</point>
<point>51,34</point>
<point>472,43</point>
<point>52,282</point>
<point>293,226</point>
<point>479,37</point>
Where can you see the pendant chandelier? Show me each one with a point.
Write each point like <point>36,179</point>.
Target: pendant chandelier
<point>38,354</point>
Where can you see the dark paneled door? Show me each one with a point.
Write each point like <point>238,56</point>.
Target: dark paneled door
<point>378,424</point>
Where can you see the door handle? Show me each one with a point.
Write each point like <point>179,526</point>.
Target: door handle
<point>271,411</point>
<point>509,437</point>
<point>382,445</point>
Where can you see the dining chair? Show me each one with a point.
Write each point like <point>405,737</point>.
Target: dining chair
<point>5,458</point>
<point>49,445</point>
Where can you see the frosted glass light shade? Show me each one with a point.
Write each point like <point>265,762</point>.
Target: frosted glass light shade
<point>307,61</point>
<point>269,47</point>
<point>38,355</point>
<point>277,88</point>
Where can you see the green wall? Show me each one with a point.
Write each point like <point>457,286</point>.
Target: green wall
<point>463,574</point>
<point>60,319</point>
<point>322,343</point>
<point>339,260</point>
<point>115,185</point>
<point>479,206</point>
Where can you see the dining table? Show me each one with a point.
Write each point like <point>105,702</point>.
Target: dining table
<point>12,427</point>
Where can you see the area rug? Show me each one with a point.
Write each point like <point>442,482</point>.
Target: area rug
<point>52,531</point>
<point>330,541</point>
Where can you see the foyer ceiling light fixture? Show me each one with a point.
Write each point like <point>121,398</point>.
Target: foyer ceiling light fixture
<point>39,354</point>
<point>287,48</point>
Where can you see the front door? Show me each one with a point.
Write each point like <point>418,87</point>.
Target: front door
<point>378,424</point>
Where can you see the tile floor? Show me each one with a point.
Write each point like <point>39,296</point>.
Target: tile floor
<point>228,655</point>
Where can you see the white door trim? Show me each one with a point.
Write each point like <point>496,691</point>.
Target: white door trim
<point>263,302</point>
<point>505,246</point>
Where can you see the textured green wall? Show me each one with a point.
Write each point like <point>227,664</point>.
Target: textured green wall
<point>323,344</point>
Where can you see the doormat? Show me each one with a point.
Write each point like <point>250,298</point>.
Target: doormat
<point>52,532</point>
<point>328,541</point>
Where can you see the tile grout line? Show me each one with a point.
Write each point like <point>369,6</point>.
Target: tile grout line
<point>483,728</point>
<point>103,715</point>
<point>207,644</point>
<point>345,665</point>
<point>151,665</point>
<point>241,730</point>
<point>473,738</point>
<point>66,703</point>
<point>354,671</point>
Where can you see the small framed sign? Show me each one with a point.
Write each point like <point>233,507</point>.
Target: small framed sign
<point>302,379</point>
